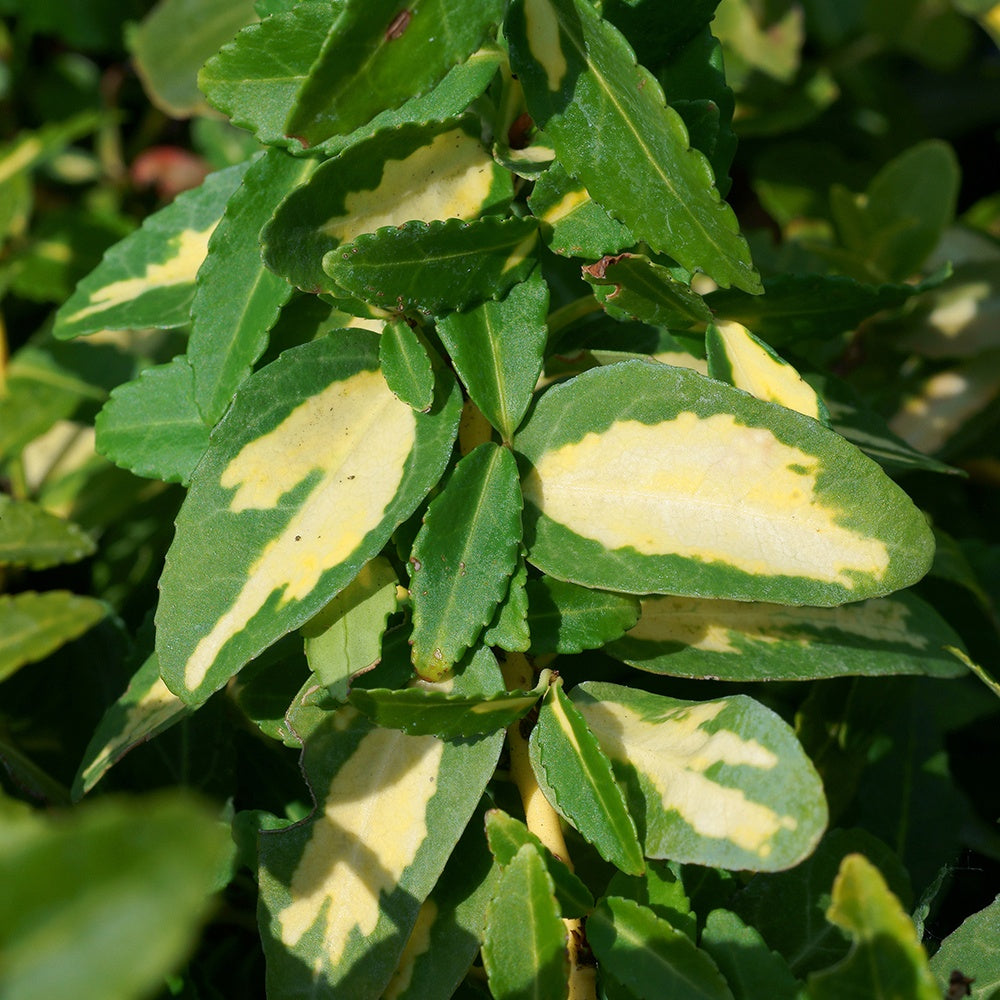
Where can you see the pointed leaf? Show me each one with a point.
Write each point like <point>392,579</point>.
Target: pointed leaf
<point>720,782</point>
<point>887,960</point>
<point>148,278</point>
<point>435,266</point>
<point>341,892</point>
<point>741,641</point>
<point>31,536</point>
<point>34,625</point>
<point>417,172</point>
<point>648,956</point>
<point>237,300</point>
<point>566,618</point>
<point>497,349</point>
<point>632,154</point>
<point>647,478</point>
<point>406,366</point>
<point>152,426</point>
<point>508,835</point>
<point>463,557</point>
<point>377,55</point>
<point>631,286</point>
<point>524,949</point>
<point>972,950</point>
<point>311,470</point>
<point>577,779</point>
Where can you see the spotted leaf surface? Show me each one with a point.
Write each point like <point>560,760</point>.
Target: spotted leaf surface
<point>341,892</point>
<point>721,783</point>
<point>308,474</point>
<point>148,279</point>
<point>743,641</point>
<point>651,479</point>
<point>613,131</point>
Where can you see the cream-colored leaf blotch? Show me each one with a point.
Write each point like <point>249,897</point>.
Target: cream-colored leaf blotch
<point>542,29</point>
<point>706,488</point>
<point>354,437</point>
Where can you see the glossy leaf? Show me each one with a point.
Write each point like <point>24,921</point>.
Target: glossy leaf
<point>886,960</point>
<point>33,625</point>
<point>509,629</point>
<point>720,782</point>
<point>631,286</point>
<point>31,536</point>
<point>648,478</point>
<point>377,55</point>
<point>463,557</point>
<point>632,156</point>
<point>740,641</point>
<point>566,618</point>
<point>577,779</point>
<point>648,956</point>
<point>237,299</point>
<point>341,892</point>
<point>662,891</point>
<point>524,948</point>
<point>288,507</point>
<point>148,278</point>
<point>435,266</point>
<point>972,950</point>
<point>416,172</point>
<point>406,366</point>
<point>508,835</point>
<point>497,349</point>
<point>153,427</point>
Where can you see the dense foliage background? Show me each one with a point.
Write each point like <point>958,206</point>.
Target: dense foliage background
<point>102,123</point>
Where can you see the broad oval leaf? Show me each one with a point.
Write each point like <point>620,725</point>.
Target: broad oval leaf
<point>309,473</point>
<point>148,278</point>
<point>721,783</point>
<point>747,641</point>
<point>632,155</point>
<point>972,950</point>
<point>435,266</point>
<point>406,366</point>
<point>463,557</point>
<point>31,536</point>
<point>648,478</point>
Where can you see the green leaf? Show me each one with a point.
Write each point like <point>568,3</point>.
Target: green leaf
<point>170,44</point>
<point>972,949</point>
<point>341,892</point>
<point>237,300</point>
<point>648,956</point>
<point>435,266</point>
<point>416,172</point>
<point>886,960</point>
<point>567,618</point>
<point>426,709</point>
<point>376,56</point>
<point>311,470</point>
<point>750,967</point>
<point>345,638</point>
<point>631,286</point>
<point>720,782</point>
<point>406,366</point>
<point>463,557</point>
<point>646,478</point>
<point>632,154</point>
<point>148,279</point>
<point>31,536</point>
<point>509,629</point>
<point>524,948</point>
<point>110,879</point>
<point>497,349</point>
<point>577,779</point>
<point>34,625</point>
<point>740,641</point>
<point>152,426</point>
<point>572,223</point>
<point>662,891</point>
<point>507,835</point>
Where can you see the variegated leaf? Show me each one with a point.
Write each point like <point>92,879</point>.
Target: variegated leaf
<point>647,478</point>
<point>720,782</point>
<point>311,470</point>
